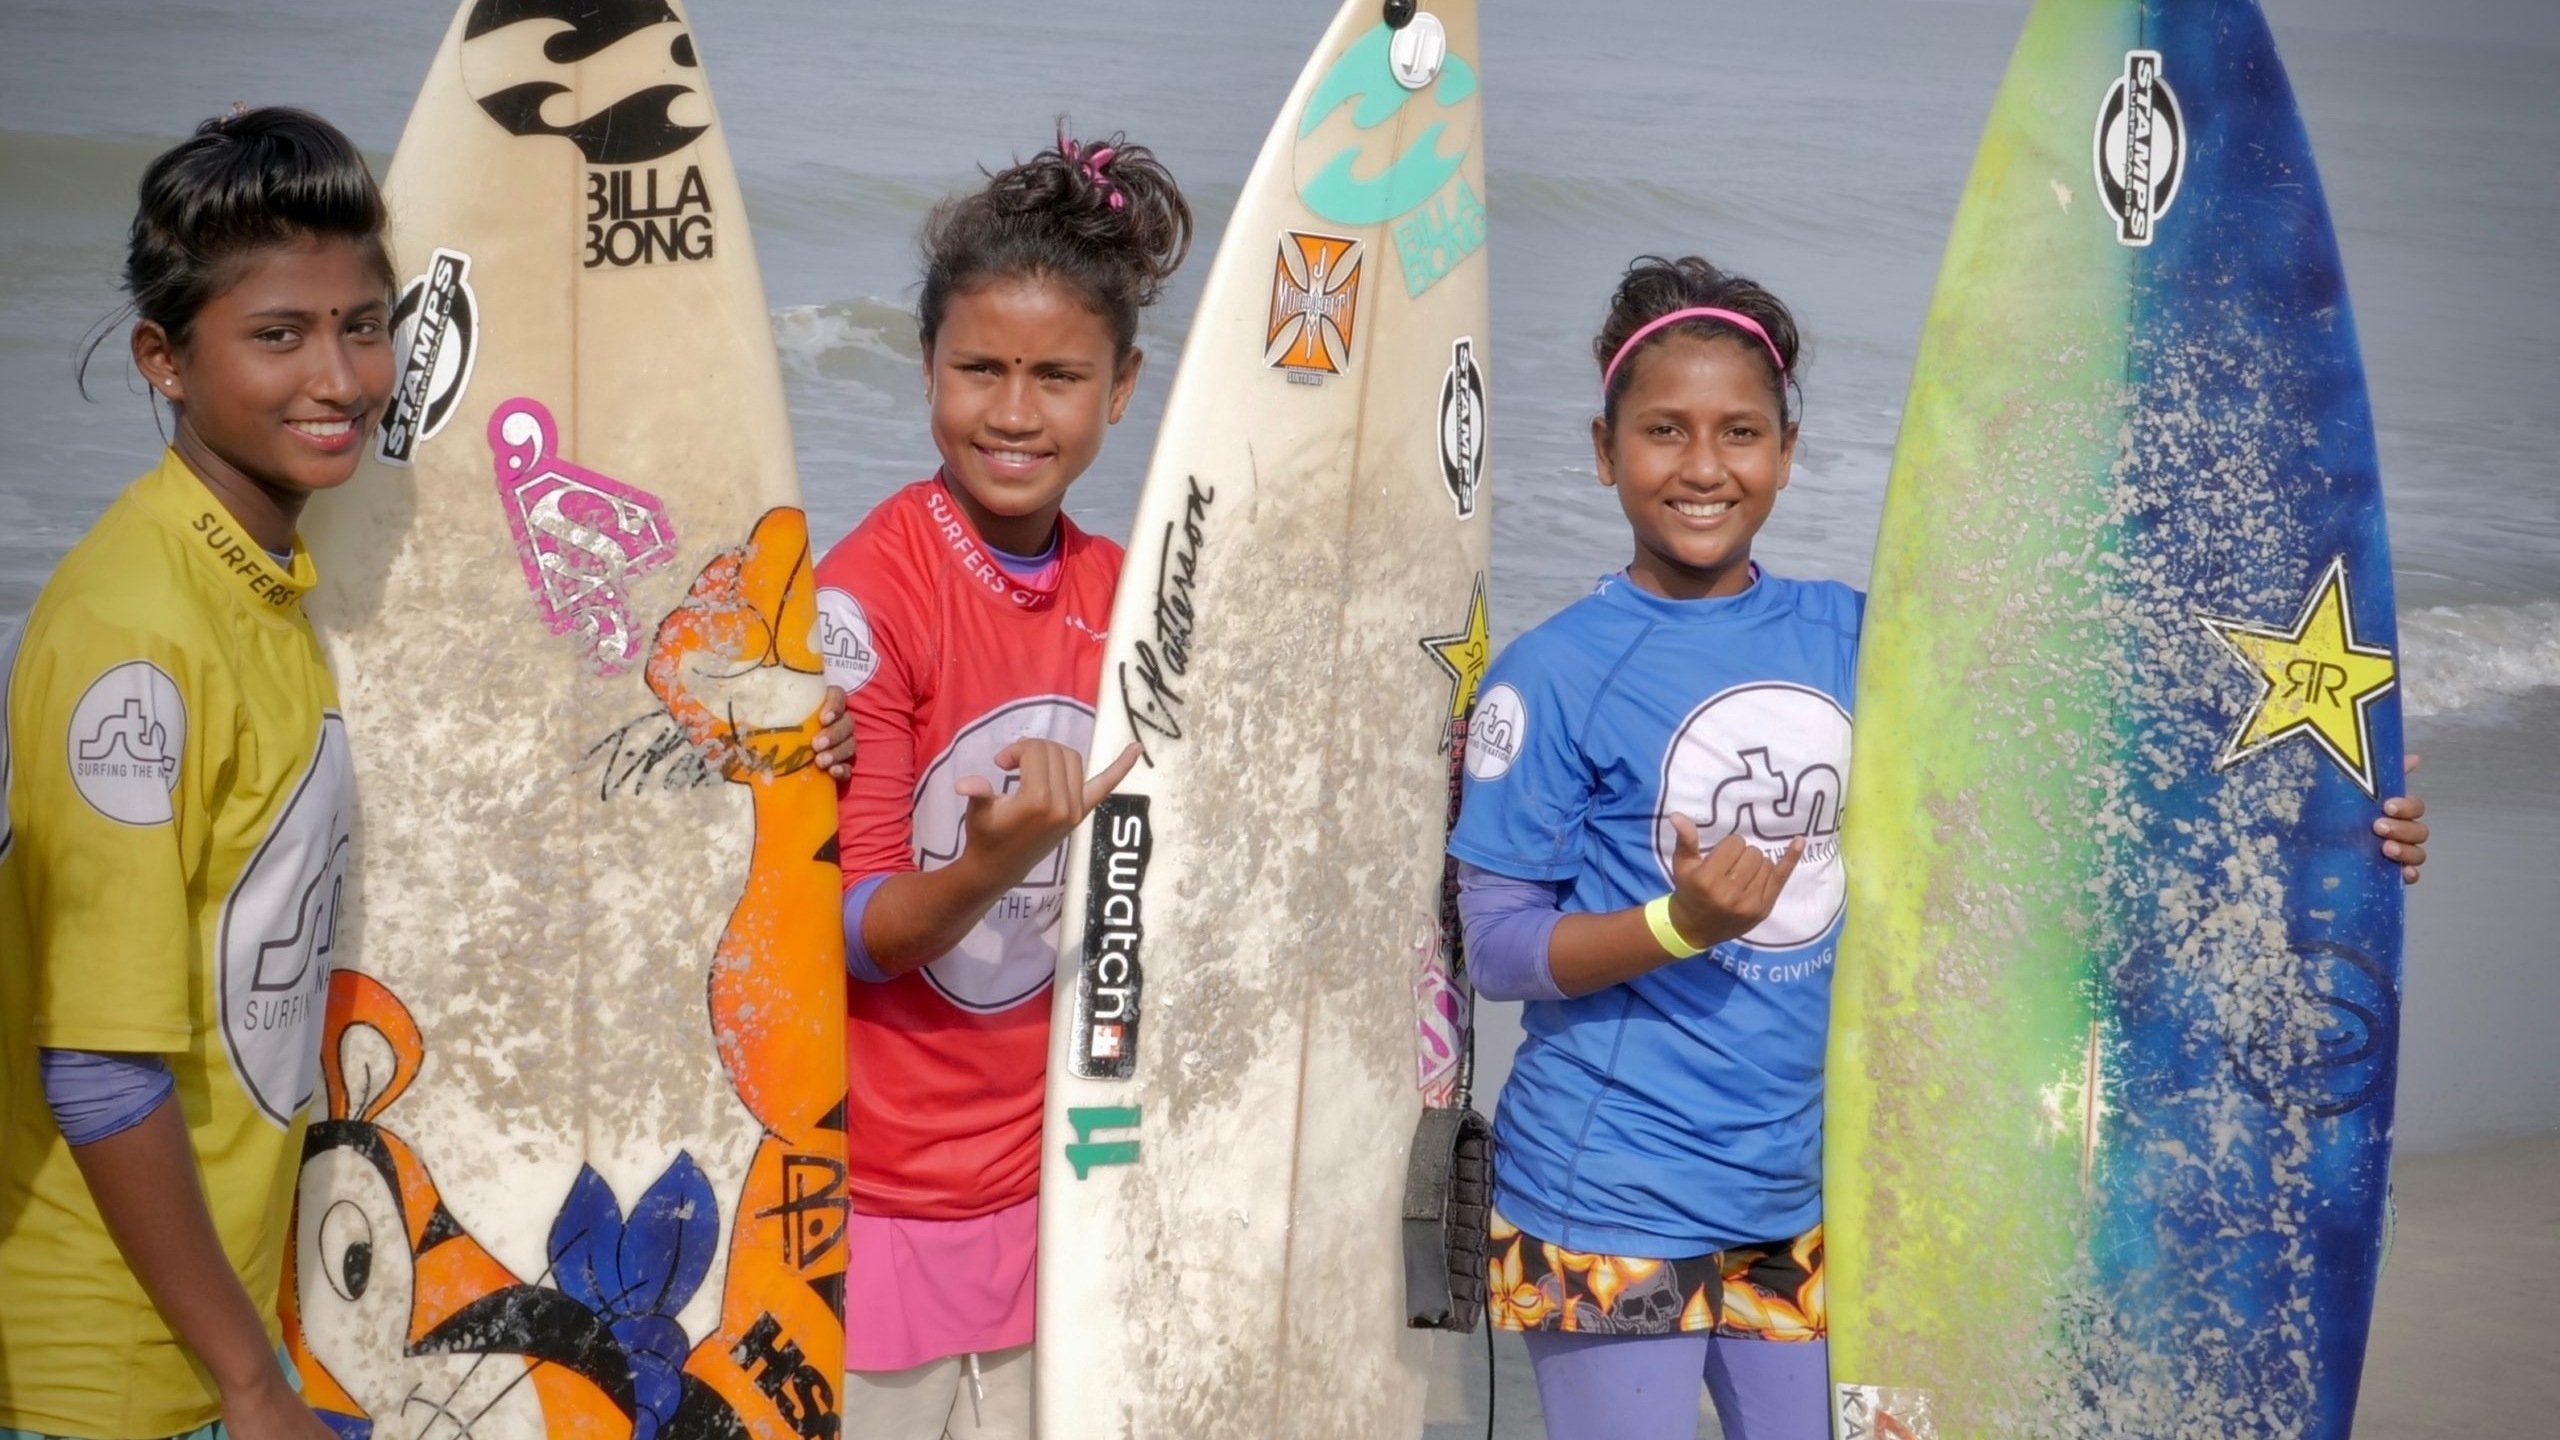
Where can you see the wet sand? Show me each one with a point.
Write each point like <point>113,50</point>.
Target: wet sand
<point>2465,1328</point>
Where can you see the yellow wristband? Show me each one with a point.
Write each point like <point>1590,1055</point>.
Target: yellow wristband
<point>1657,917</point>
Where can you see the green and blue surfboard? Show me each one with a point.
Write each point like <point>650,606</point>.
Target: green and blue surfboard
<point>2116,1020</point>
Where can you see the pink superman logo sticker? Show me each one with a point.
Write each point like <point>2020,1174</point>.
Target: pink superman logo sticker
<point>583,537</point>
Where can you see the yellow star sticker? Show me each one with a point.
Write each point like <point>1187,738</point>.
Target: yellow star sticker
<point>1464,655</point>
<point>2313,679</point>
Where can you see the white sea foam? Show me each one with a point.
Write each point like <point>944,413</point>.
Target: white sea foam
<point>864,348</point>
<point>2467,659</point>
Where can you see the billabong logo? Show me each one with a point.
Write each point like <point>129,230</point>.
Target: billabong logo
<point>280,933</point>
<point>1368,80</point>
<point>844,641</point>
<point>1438,220</point>
<point>2140,147</point>
<point>1315,305</point>
<point>582,537</point>
<point>1495,735</point>
<point>1758,761</point>
<point>124,740</point>
<point>1110,980</point>
<point>436,334</point>
<point>1462,427</point>
<point>1012,955</point>
<point>639,124</point>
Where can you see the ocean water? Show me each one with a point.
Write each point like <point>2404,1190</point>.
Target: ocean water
<point>1818,145</point>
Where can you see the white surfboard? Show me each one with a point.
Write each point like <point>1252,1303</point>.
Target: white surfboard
<point>580,1167</point>
<point>1254,921</point>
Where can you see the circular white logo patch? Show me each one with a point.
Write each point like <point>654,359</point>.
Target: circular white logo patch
<point>1013,953</point>
<point>280,933</point>
<point>126,735</point>
<point>1418,51</point>
<point>1495,733</point>
<point>844,641</point>
<point>1769,763</point>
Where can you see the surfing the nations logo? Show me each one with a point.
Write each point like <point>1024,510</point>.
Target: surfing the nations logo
<point>1315,305</point>
<point>436,334</point>
<point>280,933</point>
<point>1348,172</point>
<point>533,77</point>
<point>2140,148</point>
<point>582,537</point>
<point>1010,957</point>
<point>1722,771</point>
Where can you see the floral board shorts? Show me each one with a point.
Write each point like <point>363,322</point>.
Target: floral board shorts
<point>1770,1291</point>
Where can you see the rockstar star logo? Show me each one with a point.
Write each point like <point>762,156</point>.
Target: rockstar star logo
<point>1464,656</point>
<point>2313,679</point>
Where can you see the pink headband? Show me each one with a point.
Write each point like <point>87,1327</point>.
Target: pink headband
<point>1734,318</point>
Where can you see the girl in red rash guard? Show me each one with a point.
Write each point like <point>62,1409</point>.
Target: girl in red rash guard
<point>965,618</point>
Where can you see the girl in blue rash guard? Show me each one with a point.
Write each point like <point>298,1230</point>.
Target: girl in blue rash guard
<point>1649,856</point>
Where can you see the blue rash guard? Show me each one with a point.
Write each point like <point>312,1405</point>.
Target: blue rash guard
<point>1680,1112</point>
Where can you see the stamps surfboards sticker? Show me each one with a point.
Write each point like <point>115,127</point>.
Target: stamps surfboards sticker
<point>436,334</point>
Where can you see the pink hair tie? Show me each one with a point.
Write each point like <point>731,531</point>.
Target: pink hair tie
<point>1734,318</point>
<point>1091,164</point>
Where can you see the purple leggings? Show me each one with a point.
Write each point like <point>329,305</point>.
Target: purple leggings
<point>1645,1387</point>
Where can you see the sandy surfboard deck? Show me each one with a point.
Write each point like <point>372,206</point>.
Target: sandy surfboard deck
<point>1253,922</point>
<point>579,1166</point>
<point>2116,1018</point>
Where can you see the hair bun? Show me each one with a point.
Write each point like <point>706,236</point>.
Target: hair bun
<point>1103,214</point>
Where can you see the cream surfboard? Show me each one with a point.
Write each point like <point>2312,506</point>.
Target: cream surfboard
<point>1253,921</point>
<point>578,1164</point>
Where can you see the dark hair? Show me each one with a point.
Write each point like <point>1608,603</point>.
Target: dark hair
<point>1103,216</point>
<point>241,183</point>
<point>1654,287</point>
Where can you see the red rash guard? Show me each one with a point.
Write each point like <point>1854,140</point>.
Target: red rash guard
<point>948,658</point>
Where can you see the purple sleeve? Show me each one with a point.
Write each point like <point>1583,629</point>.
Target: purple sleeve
<point>1508,922</point>
<point>94,1096</point>
<point>857,956</point>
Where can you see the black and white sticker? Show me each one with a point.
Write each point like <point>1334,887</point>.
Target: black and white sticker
<point>280,933</point>
<point>2141,148</point>
<point>436,334</point>
<point>611,77</point>
<point>1770,763</point>
<point>1495,734</point>
<point>125,738</point>
<point>1110,980</point>
<point>1012,954</point>
<point>844,641</point>
<point>1462,426</point>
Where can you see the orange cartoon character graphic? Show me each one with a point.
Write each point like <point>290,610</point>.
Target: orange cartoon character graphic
<point>402,1324</point>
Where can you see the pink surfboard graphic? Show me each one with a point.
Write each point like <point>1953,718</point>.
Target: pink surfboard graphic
<point>583,537</point>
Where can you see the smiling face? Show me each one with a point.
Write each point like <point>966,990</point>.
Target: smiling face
<point>280,379</point>
<point>1697,455</point>
<point>1024,380</point>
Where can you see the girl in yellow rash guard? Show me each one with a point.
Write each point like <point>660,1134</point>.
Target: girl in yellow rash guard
<point>179,811</point>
